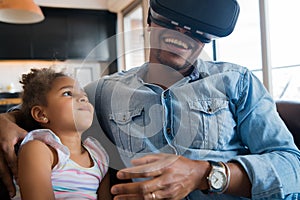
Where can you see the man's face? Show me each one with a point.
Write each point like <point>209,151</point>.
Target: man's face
<point>174,48</point>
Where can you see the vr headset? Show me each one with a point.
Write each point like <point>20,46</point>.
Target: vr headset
<point>204,19</point>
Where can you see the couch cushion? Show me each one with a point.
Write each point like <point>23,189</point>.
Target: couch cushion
<point>289,111</point>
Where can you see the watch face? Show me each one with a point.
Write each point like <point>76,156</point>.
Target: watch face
<point>218,180</point>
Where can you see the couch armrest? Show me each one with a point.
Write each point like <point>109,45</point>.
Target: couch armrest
<point>289,111</point>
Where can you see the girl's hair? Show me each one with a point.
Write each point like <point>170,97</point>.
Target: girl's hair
<point>36,84</point>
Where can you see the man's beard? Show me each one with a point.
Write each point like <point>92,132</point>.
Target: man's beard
<point>172,64</point>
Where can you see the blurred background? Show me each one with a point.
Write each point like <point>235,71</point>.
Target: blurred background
<point>93,38</point>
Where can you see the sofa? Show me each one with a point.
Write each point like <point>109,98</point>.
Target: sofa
<point>289,111</point>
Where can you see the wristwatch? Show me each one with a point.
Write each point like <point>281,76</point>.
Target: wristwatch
<point>218,179</point>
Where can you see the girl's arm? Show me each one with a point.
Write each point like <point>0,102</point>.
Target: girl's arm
<point>35,161</point>
<point>104,189</point>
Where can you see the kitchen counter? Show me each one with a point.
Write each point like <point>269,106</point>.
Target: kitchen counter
<point>9,101</point>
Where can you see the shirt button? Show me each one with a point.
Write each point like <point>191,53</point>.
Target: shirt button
<point>168,130</point>
<point>209,109</point>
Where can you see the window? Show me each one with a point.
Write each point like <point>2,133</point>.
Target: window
<point>243,45</point>
<point>285,43</point>
<point>134,37</point>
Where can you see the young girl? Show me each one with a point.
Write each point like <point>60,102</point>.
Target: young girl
<point>53,162</point>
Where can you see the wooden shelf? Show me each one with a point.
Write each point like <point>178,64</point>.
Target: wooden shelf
<point>9,101</point>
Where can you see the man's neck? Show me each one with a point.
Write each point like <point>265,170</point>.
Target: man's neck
<point>164,76</point>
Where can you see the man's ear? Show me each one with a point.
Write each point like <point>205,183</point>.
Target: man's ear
<point>39,115</point>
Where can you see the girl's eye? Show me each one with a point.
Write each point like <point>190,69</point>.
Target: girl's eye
<point>67,93</point>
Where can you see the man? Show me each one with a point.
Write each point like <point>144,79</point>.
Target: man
<point>192,129</point>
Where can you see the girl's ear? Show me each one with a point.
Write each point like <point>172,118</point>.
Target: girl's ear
<point>38,114</point>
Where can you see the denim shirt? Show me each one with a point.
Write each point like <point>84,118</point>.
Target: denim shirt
<point>220,112</point>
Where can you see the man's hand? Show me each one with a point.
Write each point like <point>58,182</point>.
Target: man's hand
<point>168,177</point>
<point>10,135</point>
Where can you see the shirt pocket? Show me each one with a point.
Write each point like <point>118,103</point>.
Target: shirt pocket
<point>211,123</point>
<point>128,131</point>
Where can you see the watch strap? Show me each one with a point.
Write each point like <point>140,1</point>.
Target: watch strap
<point>228,177</point>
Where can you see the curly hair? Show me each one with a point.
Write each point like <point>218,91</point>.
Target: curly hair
<point>36,84</point>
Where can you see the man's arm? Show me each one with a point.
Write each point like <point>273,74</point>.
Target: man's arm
<point>174,177</point>
<point>10,135</point>
<point>104,189</point>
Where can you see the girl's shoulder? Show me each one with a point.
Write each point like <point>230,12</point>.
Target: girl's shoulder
<point>34,146</point>
<point>35,152</point>
<point>35,140</point>
<point>45,138</point>
<point>97,152</point>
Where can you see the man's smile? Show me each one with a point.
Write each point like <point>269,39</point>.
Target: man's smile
<point>176,42</point>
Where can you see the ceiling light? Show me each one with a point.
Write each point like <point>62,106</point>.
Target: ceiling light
<point>20,12</point>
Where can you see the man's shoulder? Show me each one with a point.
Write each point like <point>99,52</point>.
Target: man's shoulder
<point>121,77</point>
<point>221,66</point>
<point>123,74</point>
<point>93,85</point>
<point>110,80</point>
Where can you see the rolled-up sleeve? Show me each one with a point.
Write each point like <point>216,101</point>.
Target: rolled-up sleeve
<point>273,165</point>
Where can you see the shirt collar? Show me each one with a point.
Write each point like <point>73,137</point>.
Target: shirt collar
<point>196,73</point>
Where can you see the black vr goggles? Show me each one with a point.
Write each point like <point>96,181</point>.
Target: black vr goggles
<point>204,19</point>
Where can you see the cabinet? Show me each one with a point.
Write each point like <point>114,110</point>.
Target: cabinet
<point>64,34</point>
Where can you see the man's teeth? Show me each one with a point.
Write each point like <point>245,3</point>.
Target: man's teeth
<point>176,42</point>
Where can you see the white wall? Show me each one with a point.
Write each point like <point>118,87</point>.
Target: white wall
<point>111,5</point>
<point>80,4</point>
<point>11,71</point>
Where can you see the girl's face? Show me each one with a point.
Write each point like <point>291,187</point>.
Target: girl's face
<point>68,108</point>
